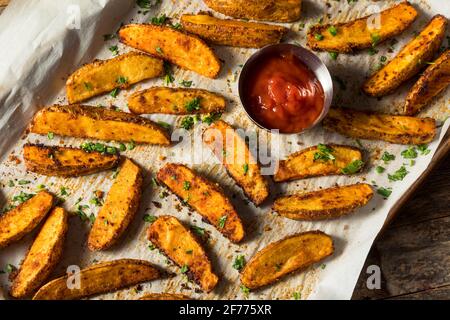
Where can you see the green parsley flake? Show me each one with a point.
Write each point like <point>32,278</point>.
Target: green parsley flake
<point>385,192</point>
<point>221,222</point>
<point>398,175</point>
<point>149,218</point>
<point>245,168</point>
<point>318,36</point>
<point>186,84</point>
<point>239,262</point>
<point>187,123</point>
<point>353,167</point>
<point>324,153</point>
<point>186,185</point>
<point>386,157</point>
<point>50,135</point>
<point>193,105</point>
<point>184,269</point>
<point>332,30</point>
<point>409,153</point>
<point>380,169</point>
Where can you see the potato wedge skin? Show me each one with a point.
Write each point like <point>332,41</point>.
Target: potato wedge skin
<point>232,33</point>
<point>355,35</point>
<point>102,76</point>
<point>285,256</point>
<point>409,61</point>
<point>174,100</point>
<point>100,278</point>
<point>251,181</point>
<point>18,222</point>
<point>325,203</point>
<point>205,197</point>
<point>372,126</point>
<point>65,161</point>
<point>119,208</point>
<point>174,239</point>
<point>165,296</point>
<point>185,50</point>
<point>44,254</point>
<point>301,164</point>
<point>432,82</point>
<point>98,123</point>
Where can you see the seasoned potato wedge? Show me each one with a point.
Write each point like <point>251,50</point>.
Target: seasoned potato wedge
<point>409,61</point>
<point>164,296</point>
<point>355,35</point>
<point>175,101</point>
<point>290,254</point>
<point>205,197</point>
<point>313,162</point>
<point>232,33</point>
<point>432,82</point>
<point>100,278</point>
<point>394,129</point>
<point>180,245</point>
<point>98,123</point>
<point>103,76</point>
<point>182,49</point>
<point>43,255</point>
<point>119,208</point>
<point>66,162</point>
<point>18,222</point>
<point>325,203</point>
<point>235,155</point>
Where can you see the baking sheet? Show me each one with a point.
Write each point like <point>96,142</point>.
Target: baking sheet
<point>41,48</point>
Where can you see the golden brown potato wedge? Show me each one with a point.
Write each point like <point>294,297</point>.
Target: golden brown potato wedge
<point>321,160</point>
<point>391,128</point>
<point>99,278</point>
<point>409,61</point>
<point>103,76</point>
<point>66,162</point>
<point>324,204</point>
<point>205,197</point>
<point>175,101</point>
<point>235,155</point>
<point>98,123</point>
<point>180,245</point>
<point>355,35</point>
<point>18,222</point>
<point>285,256</point>
<point>185,50</point>
<point>432,82</point>
<point>232,33</point>
<point>165,296</point>
<point>119,208</point>
<point>44,254</point>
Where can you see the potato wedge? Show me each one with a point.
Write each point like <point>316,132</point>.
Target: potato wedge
<point>432,82</point>
<point>103,76</point>
<point>165,296</point>
<point>372,126</point>
<point>185,50</point>
<point>119,208</point>
<point>100,278</point>
<point>18,222</point>
<point>235,155</point>
<point>180,245</point>
<point>98,123</point>
<point>205,197</point>
<point>232,33</point>
<point>66,162</point>
<point>313,162</point>
<point>409,61</point>
<point>175,101</point>
<point>264,10</point>
<point>354,35</point>
<point>285,256</point>
<point>44,254</point>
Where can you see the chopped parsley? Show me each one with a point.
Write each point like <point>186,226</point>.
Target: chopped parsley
<point>159,50</point>
<point>10,183</point>
<point>80,212</point>
<point>184,269</point>
<point>245,290</point>
<point>149,218</point>
<point>245,168</point>
<point>168,78</point>
<point>147,4</point>
<point>372,51</point>
<point>385,192</point>
<point>318,36</point>
<point>114,50</point>
<point>10,268</point>
<point>22,197</point>
<point>193,105</point>
<point>122,147</point>
<point>380,169</point>
<point>98,147</point>
<point>239,262</point>
<point>212,117</point>
<point>186,84</point>
<point>131,145</point>
<point>333,55</point>
<point>386,157</point>
<point>187,123</point>
<point>198,231</point>
<point>186,185</point>
<point>159,21</point>
<point>398,175</point>
<point>23,182</point>
<point>88,86</point>
<point>63,191</point>
<point>122,80</point>
<point>332,30</point>
<point>297,295</point>
<point>423,149</point>
<point>375,39</point>
<point>409,153</point>
<point>324,153</point>
<point>353,167</point>
<point>221,222</point>
<point>50,135</point>
<point>115,92</point>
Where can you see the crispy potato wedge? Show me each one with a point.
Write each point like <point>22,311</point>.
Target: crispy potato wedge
<point>181,246</point>
<point>303,164</point>
<point>119,208</point>
<point>98,123</point>
<point>355,35</point>
<point>44,254</point>
<point>235,155</point>
<point>185,50</point>
<point>232,33</point>
<point>409,61</point>
<point>205,197</point>
<point>325,203</point>
<point>372,126</point>
<point>432,82</point>
<point>165,296</point>
<point>175,101</point>
<point>18,222</point>
<point>285,256</point>
<point>100,278</point>
<point>103,76</point>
